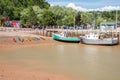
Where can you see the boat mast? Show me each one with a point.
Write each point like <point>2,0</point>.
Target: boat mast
<point>116,26</point>
<point>93,21</point>
<point>74,22</point>
<point>116,19</point>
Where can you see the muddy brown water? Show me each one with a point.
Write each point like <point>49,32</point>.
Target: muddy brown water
<point>74,60</point>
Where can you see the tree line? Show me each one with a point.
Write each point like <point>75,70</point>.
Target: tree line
<point>39,12</point>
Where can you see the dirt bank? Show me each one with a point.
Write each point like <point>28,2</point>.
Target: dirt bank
<point>8,42</point>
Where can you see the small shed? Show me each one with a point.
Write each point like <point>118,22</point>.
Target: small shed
<point>15,24</point>
<point>108,26</point>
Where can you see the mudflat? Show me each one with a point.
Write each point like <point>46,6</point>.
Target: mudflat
<point>10,71</point>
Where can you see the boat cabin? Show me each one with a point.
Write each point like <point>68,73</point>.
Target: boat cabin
<point>63,34</point>
<point>108,26</point>
<point>92,36</point>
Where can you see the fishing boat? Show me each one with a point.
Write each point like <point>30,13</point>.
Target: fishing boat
<point>101,39</point>
<point>93,38</point>
<point>62,37</point>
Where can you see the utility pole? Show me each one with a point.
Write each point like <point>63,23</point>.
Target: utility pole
<point>116,19</point>
<point>93,21</point>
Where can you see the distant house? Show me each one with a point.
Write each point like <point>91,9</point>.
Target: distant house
<point>108,26</point>
<point>118,24</point>
<point>15,24</point>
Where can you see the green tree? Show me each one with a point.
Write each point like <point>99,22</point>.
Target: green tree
<point>69,15</point>
<point>78,19</point>
<point>13,8</point>
<point>58,14</point>
<point>48,18</point>
<point>86,17</point>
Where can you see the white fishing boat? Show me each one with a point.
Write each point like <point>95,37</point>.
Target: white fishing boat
<point>93,38</point>
<point>101,39</point>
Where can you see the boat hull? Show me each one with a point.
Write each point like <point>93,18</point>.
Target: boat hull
<point>108,41</point>
<point>65,39</point>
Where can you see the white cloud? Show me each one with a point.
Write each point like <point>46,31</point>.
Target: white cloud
<point>58,3</point>
<point>52,5</point>
<point>109,8</point>
<point>106,8</point>
<point>72,5</point>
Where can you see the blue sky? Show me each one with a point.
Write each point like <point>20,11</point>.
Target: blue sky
<point>88,4</point>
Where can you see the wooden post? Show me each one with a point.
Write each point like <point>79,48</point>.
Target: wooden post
<point>118,38</point>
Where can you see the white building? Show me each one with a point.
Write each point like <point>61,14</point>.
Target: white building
<point>108,26</point>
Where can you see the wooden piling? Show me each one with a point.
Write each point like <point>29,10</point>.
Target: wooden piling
<point>118,38</point>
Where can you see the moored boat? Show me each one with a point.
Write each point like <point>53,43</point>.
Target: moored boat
<point>62,37</point>
<point>92,38</point>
